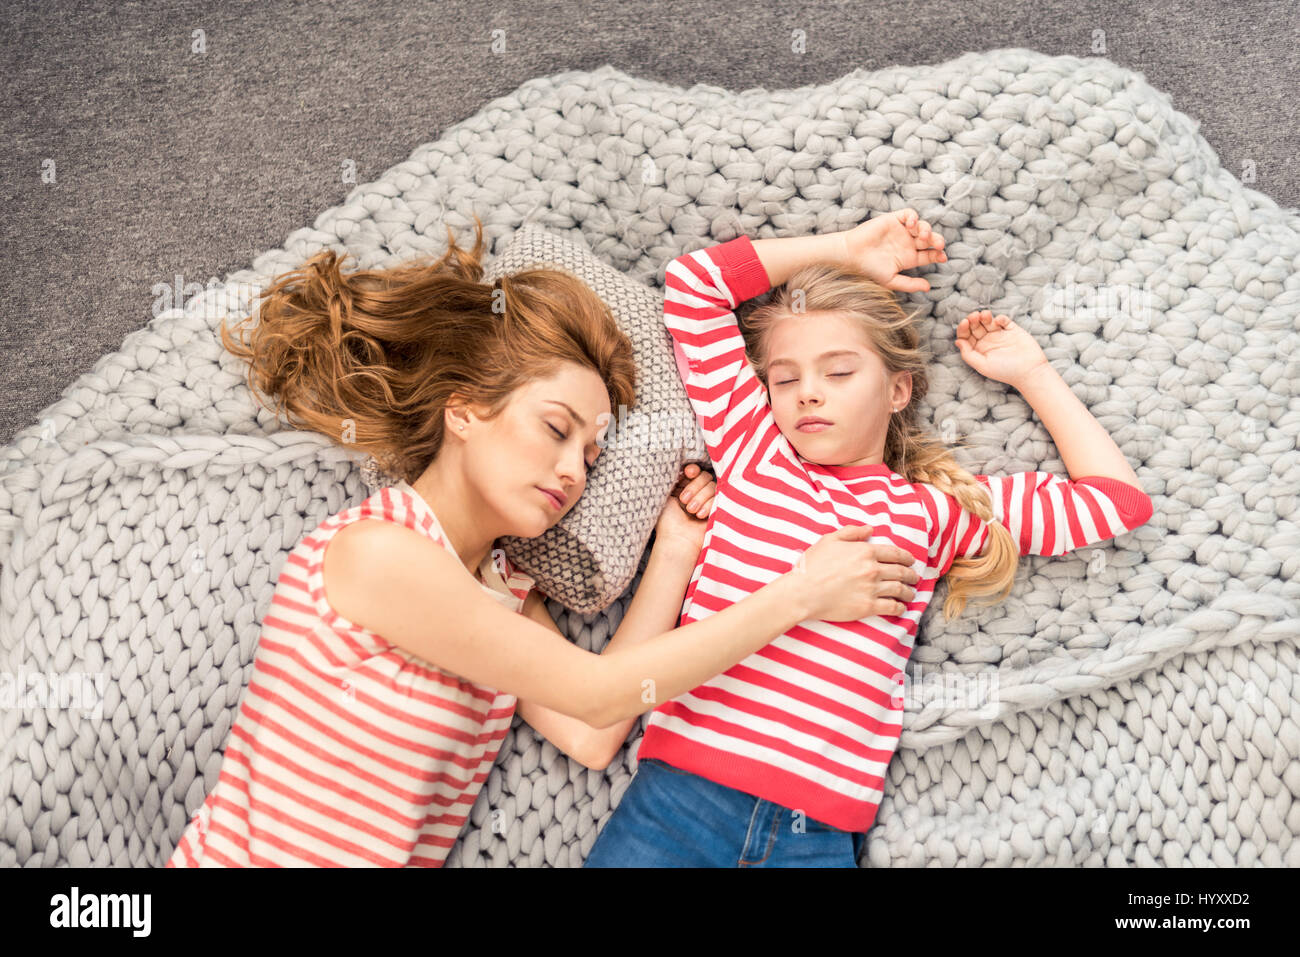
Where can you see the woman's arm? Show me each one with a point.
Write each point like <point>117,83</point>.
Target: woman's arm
<point>654,609</point>
<point>418,596</point>
<point>413,592</point>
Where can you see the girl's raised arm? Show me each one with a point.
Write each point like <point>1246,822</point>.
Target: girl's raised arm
<point>1000,349</point>
<point>1086,447</point>
<point>701,292</point>
<point>1046,514</point>
<point>784,256</point>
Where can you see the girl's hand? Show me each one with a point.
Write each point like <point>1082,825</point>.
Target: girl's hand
<point>884,246</point>
<point>998,348</point>
<point>692,496</point>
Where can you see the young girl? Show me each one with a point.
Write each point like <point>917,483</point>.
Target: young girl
<point>400,642</point>
<point>781,759</point>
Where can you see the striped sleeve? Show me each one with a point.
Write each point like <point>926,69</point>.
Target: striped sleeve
<point>702,290</point>
<point>1045,513</point>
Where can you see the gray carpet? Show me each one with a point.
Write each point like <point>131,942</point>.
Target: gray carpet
<point>172,163</point>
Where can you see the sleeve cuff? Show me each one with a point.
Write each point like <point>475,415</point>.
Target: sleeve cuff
<point>745,274</point>
<point>1134,505</point>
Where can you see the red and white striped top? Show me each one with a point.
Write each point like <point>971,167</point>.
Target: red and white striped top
<point>809,721</point>
<point>347,750</point>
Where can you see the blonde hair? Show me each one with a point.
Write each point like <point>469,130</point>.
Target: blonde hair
<point>377,354</point>
<point>911,449</point>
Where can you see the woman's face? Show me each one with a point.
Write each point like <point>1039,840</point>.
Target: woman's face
<point>544,440</point>
<point>821,365</point>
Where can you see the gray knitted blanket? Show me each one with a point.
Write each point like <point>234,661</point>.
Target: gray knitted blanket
<point>1145,706</point>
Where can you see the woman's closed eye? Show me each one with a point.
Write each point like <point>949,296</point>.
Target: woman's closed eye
<point>562,436</point>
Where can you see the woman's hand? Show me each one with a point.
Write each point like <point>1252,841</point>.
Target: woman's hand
<point>884,246</point>
<point>692,496</point>
<point>846,578</point>
<point>998,348</point>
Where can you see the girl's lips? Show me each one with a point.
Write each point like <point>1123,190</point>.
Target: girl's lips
<point>814,427</point>
<point>552,499</point>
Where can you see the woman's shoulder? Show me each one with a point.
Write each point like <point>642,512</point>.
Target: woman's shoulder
<point>349,546</point>
<point>360,557</point>
<point>374,536</point>
<point>392,513</point>
<point>371,534</point>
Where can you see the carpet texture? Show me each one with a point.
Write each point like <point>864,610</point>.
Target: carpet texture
<point>1144,709</point>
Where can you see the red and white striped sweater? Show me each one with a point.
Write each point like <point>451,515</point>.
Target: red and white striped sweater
<point>809,721</point>
<point>347,750</point>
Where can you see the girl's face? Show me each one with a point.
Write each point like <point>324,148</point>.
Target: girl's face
<point>821,366</point>
<point>535,445</point>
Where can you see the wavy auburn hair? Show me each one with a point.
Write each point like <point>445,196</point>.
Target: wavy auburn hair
<point>911,449</point>
<point>371,358</point>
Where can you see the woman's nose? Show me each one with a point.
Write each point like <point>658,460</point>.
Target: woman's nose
<point>574,470</point>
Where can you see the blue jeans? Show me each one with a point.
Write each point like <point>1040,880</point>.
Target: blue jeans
<point>673,818</point>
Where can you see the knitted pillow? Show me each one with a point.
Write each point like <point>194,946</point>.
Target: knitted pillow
<point>589,558</point>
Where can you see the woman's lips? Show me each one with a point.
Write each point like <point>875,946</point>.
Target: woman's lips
<point>814,427</point>
<point>552,499</point>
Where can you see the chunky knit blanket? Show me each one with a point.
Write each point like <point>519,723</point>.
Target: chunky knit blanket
<point>1144,705</point>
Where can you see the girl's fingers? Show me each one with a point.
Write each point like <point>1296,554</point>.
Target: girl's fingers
<point>700,506</point>
<point>699,494</point>
<point>691,491</point>
<point>696,486</point>
<point>691,472</point>
<point>981,323</point>
<point>700,480</point>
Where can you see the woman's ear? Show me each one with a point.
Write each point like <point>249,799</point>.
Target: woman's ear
<point>456,417</point>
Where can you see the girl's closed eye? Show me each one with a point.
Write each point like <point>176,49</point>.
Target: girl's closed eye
<point>832,375</point>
